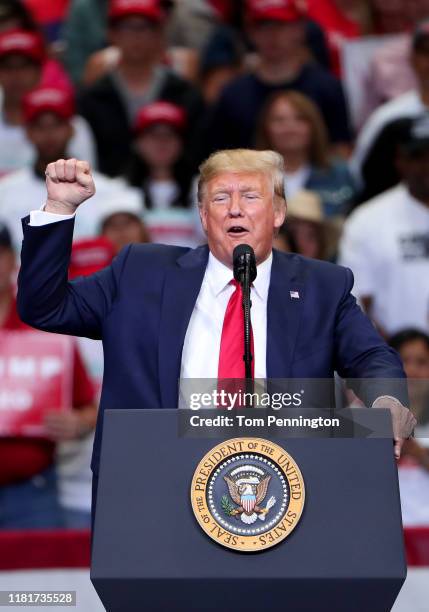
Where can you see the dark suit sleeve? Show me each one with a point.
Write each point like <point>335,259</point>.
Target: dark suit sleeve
<point>47,300</point>
<point>371,367</point>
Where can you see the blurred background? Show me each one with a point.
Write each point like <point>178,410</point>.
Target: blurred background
<point>145,90</point>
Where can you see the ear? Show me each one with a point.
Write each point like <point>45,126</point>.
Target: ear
<point>279,214</point>
<point>203,216</point>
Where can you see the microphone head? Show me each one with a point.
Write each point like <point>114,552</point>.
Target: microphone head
<point>242,256</point>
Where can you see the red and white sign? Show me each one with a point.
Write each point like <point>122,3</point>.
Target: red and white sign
<point>36,376</point>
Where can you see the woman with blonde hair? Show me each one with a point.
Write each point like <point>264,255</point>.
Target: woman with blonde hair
<point>291,124</point>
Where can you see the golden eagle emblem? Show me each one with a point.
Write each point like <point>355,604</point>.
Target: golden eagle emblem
<point>247,486</point>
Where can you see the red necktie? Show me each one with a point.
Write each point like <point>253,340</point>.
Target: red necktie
<point>231,363</point>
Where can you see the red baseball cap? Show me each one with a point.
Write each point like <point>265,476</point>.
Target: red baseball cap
<point>48,99</point>
<point>272,10</point>
<point>90,255</point>
<point>160,112</point>
<point>22,42</point>
<point>152,9</point>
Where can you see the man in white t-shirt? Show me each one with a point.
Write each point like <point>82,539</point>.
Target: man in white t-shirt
<point>48,116</point>
<point>410,104</point>
<point>386,241</point>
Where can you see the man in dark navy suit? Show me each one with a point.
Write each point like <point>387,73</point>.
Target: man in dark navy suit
<point>165,312</point>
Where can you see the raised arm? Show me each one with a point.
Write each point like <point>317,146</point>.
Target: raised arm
<point>46,300</point>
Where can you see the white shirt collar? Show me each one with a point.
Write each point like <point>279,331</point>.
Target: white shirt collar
<point>219,276</point>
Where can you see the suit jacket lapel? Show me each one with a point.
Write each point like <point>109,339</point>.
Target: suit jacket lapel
<point>182,285</point>
<point>285,299</point>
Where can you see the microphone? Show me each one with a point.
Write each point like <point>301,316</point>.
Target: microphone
<point>244,261</point>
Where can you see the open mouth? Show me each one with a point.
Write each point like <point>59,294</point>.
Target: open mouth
<point>237,230</point>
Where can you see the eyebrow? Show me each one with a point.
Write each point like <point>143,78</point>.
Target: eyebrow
<point>226,189</point>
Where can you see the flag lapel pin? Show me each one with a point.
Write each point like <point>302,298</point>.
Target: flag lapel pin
<point>294,295</point>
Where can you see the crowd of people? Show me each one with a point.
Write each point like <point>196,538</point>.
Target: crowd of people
<point>145,90</point>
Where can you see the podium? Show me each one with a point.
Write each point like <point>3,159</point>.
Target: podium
<point>149,553</point>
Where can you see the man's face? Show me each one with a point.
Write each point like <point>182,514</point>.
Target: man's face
<point>238,208</point>
<point>414,170</point>
<point>7,267</point>
<point>275,40</point>
<point>50,135</point>
<point>138,39</point>
<point>18,75</point>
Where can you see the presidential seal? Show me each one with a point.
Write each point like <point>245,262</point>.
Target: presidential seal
<point>247,494</point>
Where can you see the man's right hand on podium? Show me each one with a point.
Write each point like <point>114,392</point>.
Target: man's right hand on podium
<point>69,183</point>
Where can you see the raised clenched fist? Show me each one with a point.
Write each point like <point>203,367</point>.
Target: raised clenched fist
<point>69,183</point>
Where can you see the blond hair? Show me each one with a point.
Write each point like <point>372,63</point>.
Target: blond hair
<point>269,163</point>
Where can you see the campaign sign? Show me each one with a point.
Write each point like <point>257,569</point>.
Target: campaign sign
<point>36,376</point>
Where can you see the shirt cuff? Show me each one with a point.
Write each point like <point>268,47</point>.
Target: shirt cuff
<point>41,217</point>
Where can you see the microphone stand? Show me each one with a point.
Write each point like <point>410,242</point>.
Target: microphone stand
<point>247,304</point>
